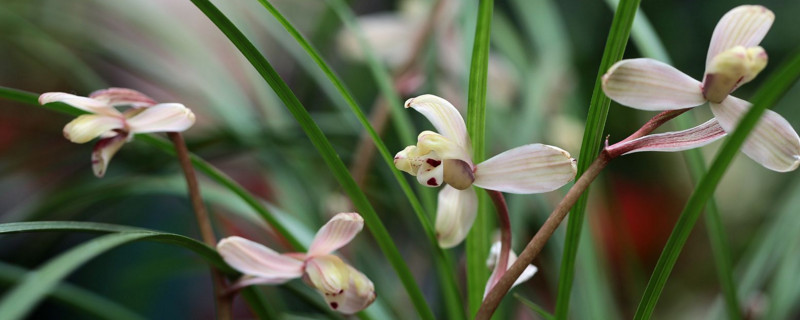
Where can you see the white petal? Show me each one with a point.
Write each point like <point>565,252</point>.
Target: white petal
<point>455,212</point>
<point>256,260</point>
<point>165,117</point>
<point>89,126</point>
<point>696,137</point>
<point>103,151</point>
<point>494,258</point>
<point>336,233</point>
<point>742,26</point>
<point>429,175</point>
<point>649,84</point>
<point>122,96</point>
<point>532,168</point>
<point>329,275</point>
<point>358,296</point>
<point>773,142</point>
<point>444,117</point>
<point>83,103</point>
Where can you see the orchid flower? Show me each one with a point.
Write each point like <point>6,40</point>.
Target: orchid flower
<point>344,288</point>
<point>115,127</point>
<point>491,262</point>
<point>734,58</point>
<point>445,158</point>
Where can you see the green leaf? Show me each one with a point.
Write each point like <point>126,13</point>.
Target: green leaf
<point>76,297</point>
<point>535,307</point>
<point>325,149</point>
<point>478,237</point>
<point>592,139</point>
<point>769,93</point>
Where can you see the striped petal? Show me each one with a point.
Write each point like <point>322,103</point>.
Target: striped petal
<point>164,117</point>
<point>103,151</point>
<point>532,168</point>
<point>444,117</point>
<point>742,26</point>
<point>122,97</point>
<point>696,137</point>
<point>89,126</point>
<point>494,258</point>
<point>455,212</point>
<point>648,84</point>
<point>773,143</point>
<point>256,260</point>
<point>83,103</point>
<point>339,231</point>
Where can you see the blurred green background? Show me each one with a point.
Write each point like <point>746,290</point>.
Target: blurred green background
<point>544,62</point>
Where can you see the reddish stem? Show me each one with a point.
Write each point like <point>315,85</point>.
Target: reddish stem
<point>505,234</point>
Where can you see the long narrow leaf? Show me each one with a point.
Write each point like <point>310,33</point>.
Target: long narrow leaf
<point>592,138</point>
<point>325,149</point>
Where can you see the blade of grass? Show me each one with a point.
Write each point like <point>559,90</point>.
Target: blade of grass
<point>649,44</point>
<point>592,138</point>
<point>478,237</point>
<point>73,296</point>
<point>449,285</point>
<point>535,307</point>
<point>325,150</point>
<point>769,93</point>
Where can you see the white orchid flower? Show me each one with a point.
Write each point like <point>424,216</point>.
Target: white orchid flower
<point>494,258</point>
<point>344,288</point>
<point>734,58</point>
<point>445,158</point>
<point>114,127</point>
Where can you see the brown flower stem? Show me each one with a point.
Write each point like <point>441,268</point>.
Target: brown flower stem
<point>505,233</point>
<point>224,301</point>
<point>536,244</point>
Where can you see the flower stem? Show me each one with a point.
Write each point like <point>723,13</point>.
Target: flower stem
<point>505,233</point>
<point>224,301</point>
<point>536,244</point>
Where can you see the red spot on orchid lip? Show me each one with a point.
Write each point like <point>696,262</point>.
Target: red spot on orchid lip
<point>433,163</point>
<point>432,182</point>
<point>334,305</point>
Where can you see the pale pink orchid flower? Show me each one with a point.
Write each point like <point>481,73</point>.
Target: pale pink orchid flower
<point>494,258</point>
<point>445,158</point>
<point>734,58</point>
<point>345,289</point>
<point>115,127</point>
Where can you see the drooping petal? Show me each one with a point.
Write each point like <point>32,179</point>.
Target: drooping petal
<point>338,232</point>
<point>455,213</point>
<point>254,259</point>
<point>444,117</point>
<point>358,296</point>
<point>773,142</point>
<point>691,138</point>
<point>122,96</point>
<point>164,117</point>
<point>491,262</point>
<point>103,151</point>
<point>89,126</point>
<point>83,103</point>
<point>649,84</point>
<point>532,168</point>
<point>742,26</point>
<point>329,275</point>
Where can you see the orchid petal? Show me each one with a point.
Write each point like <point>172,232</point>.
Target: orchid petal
<point>494,258</point>
<point>773,142</point>
<point>164,117</point>
<point>455,213</point>
<point>254,259</point>
<point>358,296</point>
<point>329,275</point>
<point>89,126</point>
<point>122,96</point>
<point>444,117</point>
<point>339,231</point>
<point>696,137</point>
<point>742,26</point>
<point>103,151</point>
<point>532,168</point>
<point>648,84</point>
<point>431,173</point>
<point>83,103</point>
